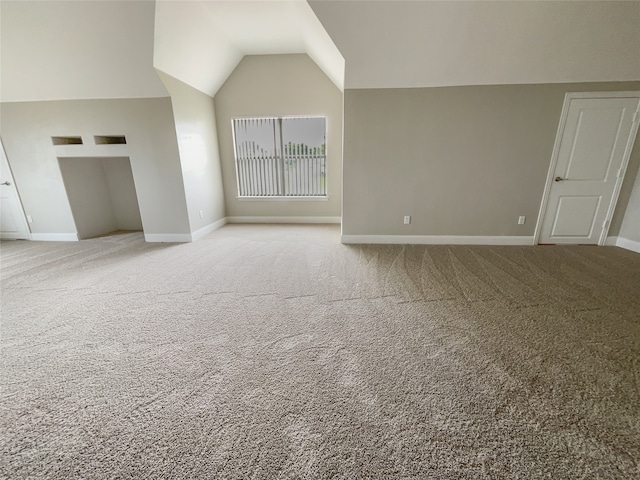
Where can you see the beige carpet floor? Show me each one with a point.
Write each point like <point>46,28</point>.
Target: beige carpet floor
<point>275,352</point>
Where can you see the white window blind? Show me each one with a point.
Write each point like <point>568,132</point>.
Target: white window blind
<point>280,157</point>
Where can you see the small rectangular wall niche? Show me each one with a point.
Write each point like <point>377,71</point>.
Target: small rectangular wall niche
<point>102,194</point>
<point>73,140</point>
<point>110,139</point>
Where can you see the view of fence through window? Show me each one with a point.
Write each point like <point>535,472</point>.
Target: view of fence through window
<point>280,157</point>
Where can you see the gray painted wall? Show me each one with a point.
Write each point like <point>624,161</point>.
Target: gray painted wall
<point>27,127</point>
<point>459,160</point>
<point>630,228</point>
<point>195,125</point>
<point>280,85</point>
<point>89,196</point>
<point>122,191</point>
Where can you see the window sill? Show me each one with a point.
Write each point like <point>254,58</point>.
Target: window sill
<point>282,199</point>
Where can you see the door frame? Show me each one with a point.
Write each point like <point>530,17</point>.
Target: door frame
<point>22,215</point>
<point>556,151</point>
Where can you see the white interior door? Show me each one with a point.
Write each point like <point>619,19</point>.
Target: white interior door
<point>591,154</point>
<point>12,222</point>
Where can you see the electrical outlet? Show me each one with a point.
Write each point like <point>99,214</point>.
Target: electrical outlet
<point>29,219</point>
<point>521,220</point>
<point>201,214</point>
<point>407,219</point>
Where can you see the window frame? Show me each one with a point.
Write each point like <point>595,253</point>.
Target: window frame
<point>278,153</point>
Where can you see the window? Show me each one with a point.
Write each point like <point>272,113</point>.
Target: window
<point>280,157</point>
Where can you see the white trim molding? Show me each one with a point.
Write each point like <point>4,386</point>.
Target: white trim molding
<point>167,237</point>
<point>625,243</point>
<point>54,237</point>
<point>437,240</point>
<point>284,219</point>
<point>198,234</point>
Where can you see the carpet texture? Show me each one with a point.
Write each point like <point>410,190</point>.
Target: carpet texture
<point>275,352</point>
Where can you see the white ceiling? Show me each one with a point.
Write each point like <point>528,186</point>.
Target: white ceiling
<point>72,49</point>
<point>63,49</point>
<point>58,50</point>
<point>201,42</point>
<point>427,43</point>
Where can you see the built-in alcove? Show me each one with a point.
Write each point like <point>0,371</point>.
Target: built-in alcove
<point>74,140</point>
<point>110,139</point>
<point>102,195</point>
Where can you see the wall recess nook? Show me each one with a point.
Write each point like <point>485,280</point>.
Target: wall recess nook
<point>71,140</point>
<point>109,139</point>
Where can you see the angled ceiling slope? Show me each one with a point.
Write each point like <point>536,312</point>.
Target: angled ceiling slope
<point>62,50</point>
<point>201,42</point>
<point>395,44</point>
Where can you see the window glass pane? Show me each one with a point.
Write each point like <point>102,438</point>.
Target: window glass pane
<point>258,132</point>
<point>280,157</point>
<point>307,131</point>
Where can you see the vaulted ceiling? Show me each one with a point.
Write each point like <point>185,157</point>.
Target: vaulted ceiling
<point>201,42</point>
<point>429,43</point>
<point>55,50</point>
<point>68,49</point>
<point>62,49</point>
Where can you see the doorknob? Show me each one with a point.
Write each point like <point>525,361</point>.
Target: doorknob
<point>6,183</point>
<point>558,179</point>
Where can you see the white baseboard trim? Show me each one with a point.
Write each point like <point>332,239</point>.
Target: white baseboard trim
<point>628,244</point>
<point>167,237</point>
<point>437,240</point>
<point>198,234</point>
<point>284,219</point>
<point>54,237</point>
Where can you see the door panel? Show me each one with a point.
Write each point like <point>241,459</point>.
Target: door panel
<point>594,143</point>
<point>575,216</point>
<point>591,153</point>
<point>12,222</point>
<point>8,221</point>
